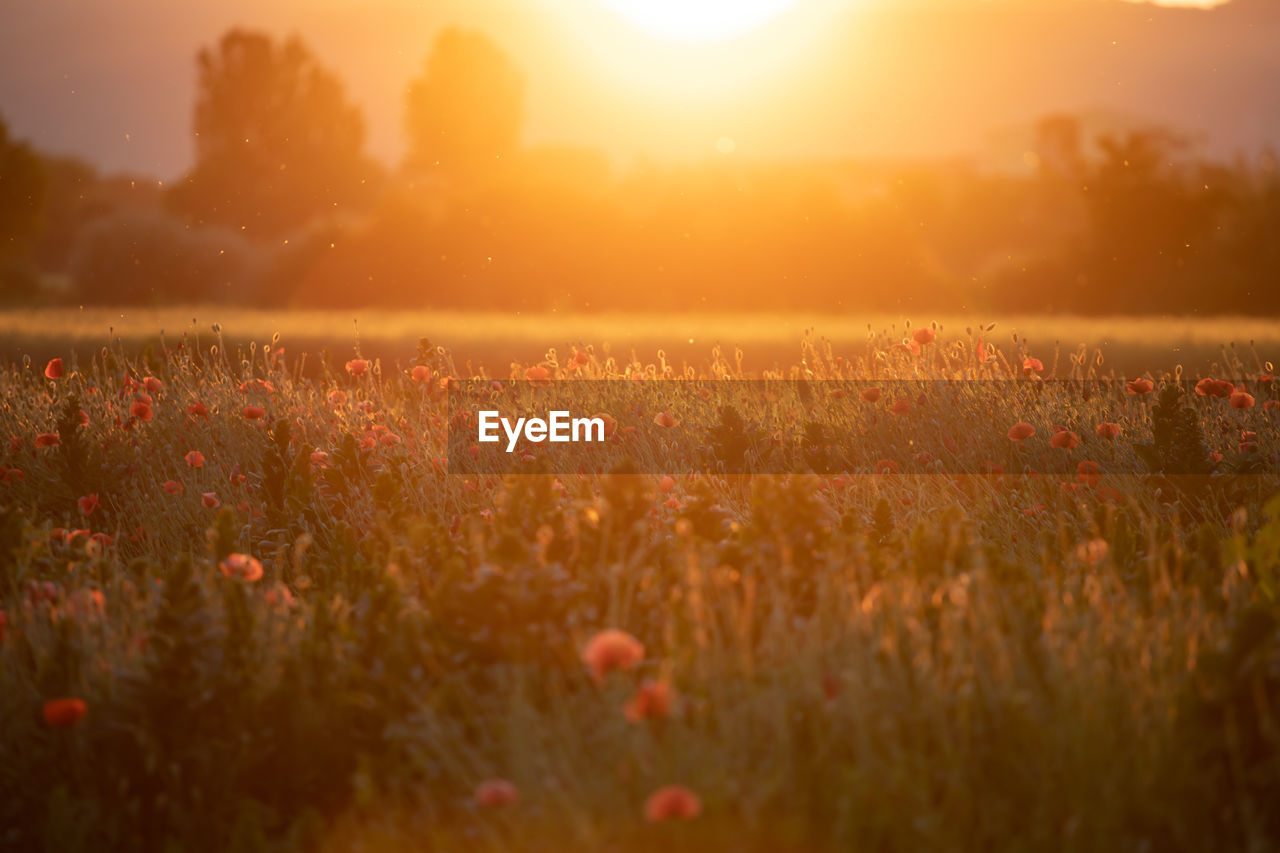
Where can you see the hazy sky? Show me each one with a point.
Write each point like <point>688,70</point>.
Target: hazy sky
<point>113,80</point>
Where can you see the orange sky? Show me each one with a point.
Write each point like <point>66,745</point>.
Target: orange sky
<point>832,78</point>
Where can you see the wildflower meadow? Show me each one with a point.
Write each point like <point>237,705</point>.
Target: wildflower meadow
<point>254,603</point>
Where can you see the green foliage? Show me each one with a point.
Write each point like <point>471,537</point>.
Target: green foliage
<point>1178,447</point>
<point>224,535</point>
<point>1260,557</point>
<point>734,442</point>
<point>288,480</point>
<point>1227,730</point>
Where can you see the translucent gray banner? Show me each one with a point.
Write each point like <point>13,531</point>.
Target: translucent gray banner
<point>1081,427</point>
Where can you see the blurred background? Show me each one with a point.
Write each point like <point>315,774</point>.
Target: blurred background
<point>964,157</point>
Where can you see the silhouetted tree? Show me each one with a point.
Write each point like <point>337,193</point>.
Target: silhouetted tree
<point>465,111</point>
<point>1150,223</point>
<point>22,188</point>
<point>277,143</point>
<point>22,194</point>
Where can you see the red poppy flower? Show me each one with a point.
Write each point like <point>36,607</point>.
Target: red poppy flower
<point>141,409</point>
<point>496,793</point>
<point>1210,387</point>
<point>279,596</point>
<point>47,439</point>
<point>1032,365</point>
<point>886,466</point>
<point>357,366</point>
<point>1241,400</point>
<point>610,425</point>
<point>195,459</point>
<point>153,385</point>
<point>901,406</point>
<point>923,336</point>
<point>241,566</point>
<point>420,373</point>
<point>871,395</point>
<point>337,397</point>
<point>1021,430</point>
<point>674,802</point>
<point>609,650</point>
<point>88,504</point>
<point>210,499</point>
<point>666,484</point>
<point>53,369</point>
<point>1064,440</point>
<point>1141,385</point>
<point>1107,429</point>
<point>652,701</point>
<point>1093,552</point>
<point>538,375</point>
<point>1088,472</point>
<point>198,408</point>
<point>665,419</point>
<point>64,713</point>
<point>173,487</point>
<point>258,385</point>
<point>253,413</point>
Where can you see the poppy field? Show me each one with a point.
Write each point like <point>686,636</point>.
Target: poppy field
<point>249,602</point>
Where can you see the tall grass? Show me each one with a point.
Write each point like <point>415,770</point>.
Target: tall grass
<point>899,662</point>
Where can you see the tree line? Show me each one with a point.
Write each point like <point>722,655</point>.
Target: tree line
<point>284,206</point>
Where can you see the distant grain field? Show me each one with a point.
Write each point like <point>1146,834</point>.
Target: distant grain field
<point>1128,344</point>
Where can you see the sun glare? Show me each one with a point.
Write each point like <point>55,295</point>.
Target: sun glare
<point>698,20</point>
<point>686,54</point>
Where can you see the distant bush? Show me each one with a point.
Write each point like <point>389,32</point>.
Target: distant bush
<point>145,257</point>
<point>19,278</point>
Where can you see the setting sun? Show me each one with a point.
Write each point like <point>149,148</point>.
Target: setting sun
<point>674,425</point>
<point>698,20</point>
